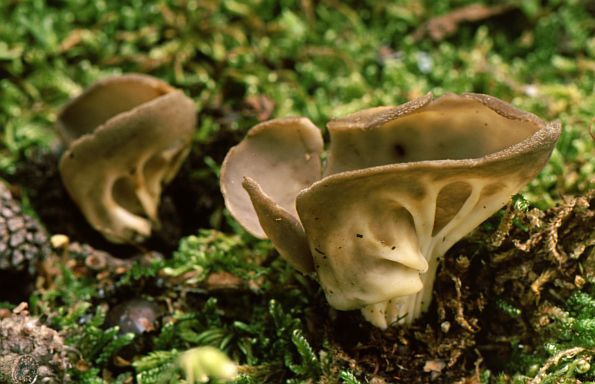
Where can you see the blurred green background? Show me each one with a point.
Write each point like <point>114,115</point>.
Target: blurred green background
<point>246,61</point>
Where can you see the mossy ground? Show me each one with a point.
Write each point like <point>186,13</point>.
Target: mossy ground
<point>514,302</point>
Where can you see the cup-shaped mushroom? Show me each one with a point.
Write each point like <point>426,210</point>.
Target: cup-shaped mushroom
<point>401,186</point>
<point>283,155</point>
<point>127,136</point>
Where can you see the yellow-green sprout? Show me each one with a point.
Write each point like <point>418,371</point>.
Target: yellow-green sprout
<point>203,363</point>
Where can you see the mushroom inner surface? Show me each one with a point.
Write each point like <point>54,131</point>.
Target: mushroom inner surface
<point>124,194</point>
<point>451,127</point>
<point>104,102</point>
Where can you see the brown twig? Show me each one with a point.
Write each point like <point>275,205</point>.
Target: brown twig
<point>554,360</point>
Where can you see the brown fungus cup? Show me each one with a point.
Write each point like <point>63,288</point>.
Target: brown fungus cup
<point>126,136</point>
<point>401,185</point>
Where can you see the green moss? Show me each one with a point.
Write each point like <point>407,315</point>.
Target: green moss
<point>567,350</point>
<point>317,59</point>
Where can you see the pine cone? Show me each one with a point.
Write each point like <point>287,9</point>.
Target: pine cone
<point>23,242</point>
<point>30,352</point>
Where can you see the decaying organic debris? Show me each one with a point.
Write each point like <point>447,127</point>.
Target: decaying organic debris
<point>445,25</point>
<point>23,241</point>
<point>23,246</point>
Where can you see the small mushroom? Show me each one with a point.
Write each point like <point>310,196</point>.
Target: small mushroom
<point>126,135</point>
<point>400,187</point>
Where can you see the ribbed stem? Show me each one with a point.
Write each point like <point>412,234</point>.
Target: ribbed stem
<point>404,309</point>
<point>424,297</point>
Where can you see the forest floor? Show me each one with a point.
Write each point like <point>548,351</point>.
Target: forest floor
<point>514,301</point>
